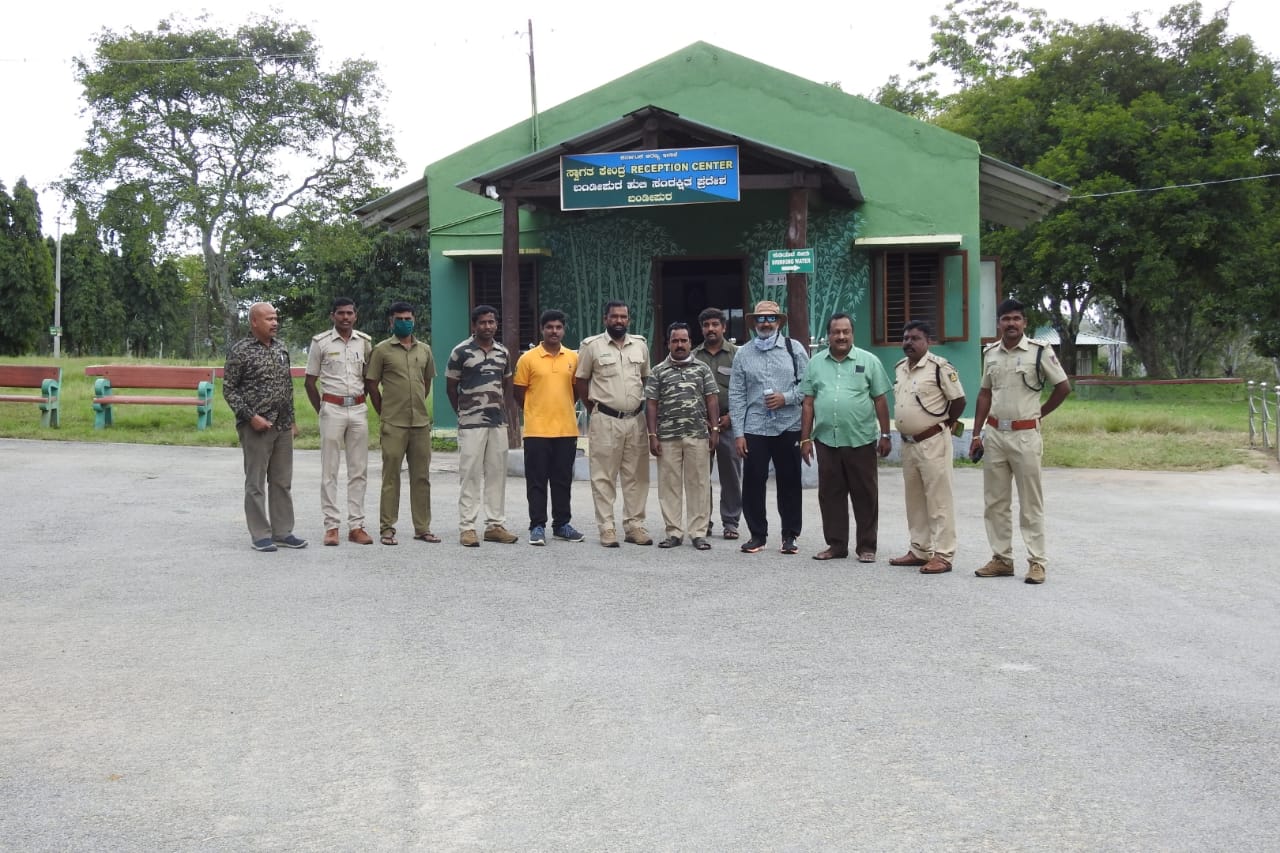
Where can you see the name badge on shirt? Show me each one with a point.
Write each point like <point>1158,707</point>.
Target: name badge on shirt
<point>859,369</point>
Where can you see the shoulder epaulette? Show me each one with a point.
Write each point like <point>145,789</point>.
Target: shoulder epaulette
<point>899,361</point>
<point>361,334</point>
<point>320,335</point>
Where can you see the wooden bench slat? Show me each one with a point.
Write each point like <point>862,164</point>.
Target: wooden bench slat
<point>24,398</point>
<point>26,375</point>
<point>114,399</point>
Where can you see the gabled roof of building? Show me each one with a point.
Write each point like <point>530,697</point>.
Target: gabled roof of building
<point>399,209</point>
<point>650,127</point>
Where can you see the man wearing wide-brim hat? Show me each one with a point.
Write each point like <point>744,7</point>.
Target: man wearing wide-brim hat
<point>764,411</point>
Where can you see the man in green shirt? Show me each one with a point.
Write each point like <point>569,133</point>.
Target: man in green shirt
<point>845,414</point>
<point>397,381</point>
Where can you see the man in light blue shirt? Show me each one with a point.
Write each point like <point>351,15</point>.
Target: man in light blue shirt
<point>764,413</point>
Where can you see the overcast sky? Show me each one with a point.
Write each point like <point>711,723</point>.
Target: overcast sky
<point>458,71</point>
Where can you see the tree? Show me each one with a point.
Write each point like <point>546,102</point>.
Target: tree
<point>217,123</point>
<point>92,316</point>
<point>26,272</point>
<point>1159,135</point>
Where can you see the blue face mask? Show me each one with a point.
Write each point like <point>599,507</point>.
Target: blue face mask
<point>402,328</point>
<point>766,342</point>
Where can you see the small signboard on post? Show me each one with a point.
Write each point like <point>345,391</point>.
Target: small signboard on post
<point>649,178</point>
<point>784,261</point>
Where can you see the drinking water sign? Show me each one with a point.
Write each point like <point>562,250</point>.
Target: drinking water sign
<point>648,178</point>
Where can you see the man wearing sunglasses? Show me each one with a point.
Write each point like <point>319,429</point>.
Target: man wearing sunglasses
<point>764,413</point>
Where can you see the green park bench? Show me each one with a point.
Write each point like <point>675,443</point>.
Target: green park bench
<point>113,377</point>
<point>47,378</point>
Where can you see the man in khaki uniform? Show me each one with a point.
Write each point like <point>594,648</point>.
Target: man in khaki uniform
<point>610,379</point>
<point>927,401</point>
<point>1014,370</point>
<point>398,381</point>
<point>335,387</point>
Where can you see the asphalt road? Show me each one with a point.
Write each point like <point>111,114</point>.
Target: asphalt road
<point>163,687</point>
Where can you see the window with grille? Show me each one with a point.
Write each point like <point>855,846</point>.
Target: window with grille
<point>486,289</point>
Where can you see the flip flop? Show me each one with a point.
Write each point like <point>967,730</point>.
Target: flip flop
<point>426,537</point>
<point>388,538</point>
<point>730,534</point>
<point>866,557</point>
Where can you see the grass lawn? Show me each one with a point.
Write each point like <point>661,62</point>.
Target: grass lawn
<point>1169,428</point>
<point>141,424</point>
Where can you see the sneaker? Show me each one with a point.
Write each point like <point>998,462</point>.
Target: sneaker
<point>538,535</point>
<point>567,533</point>
<point>291,541</point>
<point>754,545</point>
<point>1035,574</point>
<point>498,533</point>
<point>608,538</point>
<point>263,545</point>
<point>789,545</point>
<point>469,539</point>
<point>638,536</point>
<point>995,568</point>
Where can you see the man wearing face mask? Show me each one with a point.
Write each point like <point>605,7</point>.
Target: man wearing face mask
<point>397,382</point>
<point>764,413</point>
<point>610,379</point>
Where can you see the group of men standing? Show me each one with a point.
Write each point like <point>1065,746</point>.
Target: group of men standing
<point>745,409</point>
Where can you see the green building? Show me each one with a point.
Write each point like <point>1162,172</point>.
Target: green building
<point>890,207</point>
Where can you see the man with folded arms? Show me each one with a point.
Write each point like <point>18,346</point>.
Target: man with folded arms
<point>335,387</point>
<point>1014,371</point>
<point>927,400</point>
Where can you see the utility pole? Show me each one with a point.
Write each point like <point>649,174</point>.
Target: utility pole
<point>533,93</point>
<point>57,293</point>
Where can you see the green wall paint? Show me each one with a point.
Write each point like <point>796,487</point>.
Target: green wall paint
<point>915,178</point>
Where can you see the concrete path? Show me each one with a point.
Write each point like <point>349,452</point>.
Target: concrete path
<point>163,687</point>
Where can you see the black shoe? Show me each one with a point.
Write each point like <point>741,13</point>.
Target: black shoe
<point>789,545</point>
<point>754,545</point>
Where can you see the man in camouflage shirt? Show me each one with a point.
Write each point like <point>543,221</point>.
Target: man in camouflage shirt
<point>682,410</point>
<point>478,383</point>
<point>258,386</point>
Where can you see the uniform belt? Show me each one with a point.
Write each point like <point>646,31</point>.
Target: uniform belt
<point>1033,423</point>
<point>614,413</point>
<point>342,401</point>
<point>923,436</point>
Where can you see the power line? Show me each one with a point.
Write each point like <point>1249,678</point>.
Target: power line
<point>1179,186</point>
<point>207,59</point>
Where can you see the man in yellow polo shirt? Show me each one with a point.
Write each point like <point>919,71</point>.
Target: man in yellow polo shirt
<point>544,389</point>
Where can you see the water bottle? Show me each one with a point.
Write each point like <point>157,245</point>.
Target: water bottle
<point>769,414</point>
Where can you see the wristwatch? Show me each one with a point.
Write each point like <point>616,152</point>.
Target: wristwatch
<point>884,435</point>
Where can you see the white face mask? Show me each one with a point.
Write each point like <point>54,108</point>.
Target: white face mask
<point>766,343</point>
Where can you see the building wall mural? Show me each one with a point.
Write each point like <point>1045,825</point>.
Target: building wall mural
<point>598,258</point>
<point>842,279</point>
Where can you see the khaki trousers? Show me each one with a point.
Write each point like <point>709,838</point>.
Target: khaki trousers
<point>618,451</point>
<point>685,465</point>
<point>344,431</point>
<point>399,443</point>
<point>926,478</point>
<point>268,460</point>
<point>482,475</point>
<point>1012,457</point>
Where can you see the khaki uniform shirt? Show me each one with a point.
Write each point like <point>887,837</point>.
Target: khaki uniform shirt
<point>339,364</point>
<point>1011,376</point>
<point>616,374</point>
<point>920,391</point>
<point>405,376</point>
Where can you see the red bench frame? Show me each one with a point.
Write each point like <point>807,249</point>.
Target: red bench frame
<point>48,378</point>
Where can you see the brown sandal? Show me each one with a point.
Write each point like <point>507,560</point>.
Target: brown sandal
<point>730,533</point>
<point>388,537</point>
<point>426,537</point>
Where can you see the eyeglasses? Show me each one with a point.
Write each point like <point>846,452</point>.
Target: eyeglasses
<point>766,318</point>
